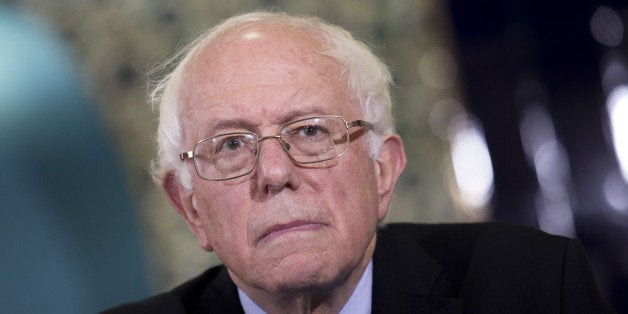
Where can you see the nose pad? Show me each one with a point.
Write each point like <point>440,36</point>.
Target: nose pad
<point>285,144</point>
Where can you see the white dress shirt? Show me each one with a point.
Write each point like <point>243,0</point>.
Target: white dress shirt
<point>358,303</point>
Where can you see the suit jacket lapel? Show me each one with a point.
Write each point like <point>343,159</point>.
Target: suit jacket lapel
<point>406,279</point>
<point>221,296</point>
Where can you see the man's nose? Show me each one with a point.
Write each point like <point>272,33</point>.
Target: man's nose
<point>275,169</point>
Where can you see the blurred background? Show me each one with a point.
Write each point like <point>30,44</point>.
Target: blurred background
<point>512,111</point>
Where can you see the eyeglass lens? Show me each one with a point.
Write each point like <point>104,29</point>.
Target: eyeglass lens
<point>306,141</point>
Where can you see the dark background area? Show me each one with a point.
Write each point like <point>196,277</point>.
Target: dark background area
<point>502,45</point>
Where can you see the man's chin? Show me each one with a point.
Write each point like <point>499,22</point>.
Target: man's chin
<point>300,273</point>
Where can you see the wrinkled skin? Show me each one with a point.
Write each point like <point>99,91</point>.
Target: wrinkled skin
<point>294,238</point>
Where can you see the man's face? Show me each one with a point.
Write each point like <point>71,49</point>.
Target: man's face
<point>283,227</point>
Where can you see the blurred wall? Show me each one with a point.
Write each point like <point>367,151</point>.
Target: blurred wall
<point>548,82</point>
<point>68,233</point>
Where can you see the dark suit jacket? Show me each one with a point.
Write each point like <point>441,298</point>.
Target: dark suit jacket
<point>456,268</point>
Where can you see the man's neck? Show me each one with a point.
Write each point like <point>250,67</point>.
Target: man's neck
<point>354,298</point>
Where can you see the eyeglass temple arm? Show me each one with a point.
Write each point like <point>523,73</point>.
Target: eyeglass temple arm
<point>360,123</point>
<point>186,155</point>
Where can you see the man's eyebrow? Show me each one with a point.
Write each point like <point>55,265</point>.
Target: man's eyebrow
<point>215,128</point>
<point>312,111</point>
<point>240,123</point>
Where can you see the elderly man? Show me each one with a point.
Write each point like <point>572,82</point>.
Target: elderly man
<point>276,146</point>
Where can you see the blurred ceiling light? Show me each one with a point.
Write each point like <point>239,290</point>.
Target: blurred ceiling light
<point>614,72</point>
<point>443,112</point>
<point>536,128</point>
<point>472,164</point>
<point>551,164</point>
<point>542,148</point>
<point>616,192</point>
<point>607,27</point>
<point>617,107</point>
<point>549,159</point>
<point>438,68</point>
<point>555,214</point>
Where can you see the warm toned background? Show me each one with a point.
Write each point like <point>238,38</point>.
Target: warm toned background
<point>118,43</point>
<point>115,45</point>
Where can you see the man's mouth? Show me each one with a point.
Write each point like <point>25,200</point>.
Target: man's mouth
<point>279,230</point>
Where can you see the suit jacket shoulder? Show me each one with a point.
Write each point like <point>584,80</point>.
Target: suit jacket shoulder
<point>447,268</point>
<point>211,292</point>
<point>481,268</point>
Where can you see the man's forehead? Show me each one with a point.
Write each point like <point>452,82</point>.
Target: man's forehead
<point>269,94</point>
<point>249,32</point>
<point>240,54</point>
<point>259,39</point>
<point>220,123</point>
<point>261,75</point>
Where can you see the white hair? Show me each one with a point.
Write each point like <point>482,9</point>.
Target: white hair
<point>368,78</point>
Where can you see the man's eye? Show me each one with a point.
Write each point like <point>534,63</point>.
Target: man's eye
<point>230,144</point>
<point>311,131</point>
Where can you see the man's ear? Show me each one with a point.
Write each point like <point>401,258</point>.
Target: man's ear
<point>183,202</point>
<point>389,165</point>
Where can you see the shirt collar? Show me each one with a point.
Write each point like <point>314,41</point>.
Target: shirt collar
<point>359,302</point>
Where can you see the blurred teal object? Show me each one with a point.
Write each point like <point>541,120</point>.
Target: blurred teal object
<point>68,234</point>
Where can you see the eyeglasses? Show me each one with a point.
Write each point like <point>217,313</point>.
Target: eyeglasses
<point>306,141</point>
